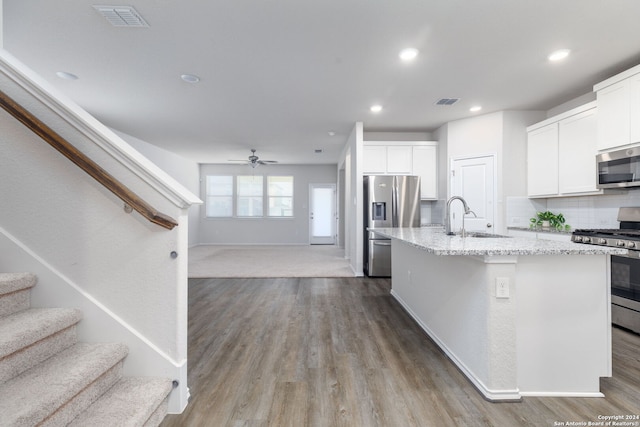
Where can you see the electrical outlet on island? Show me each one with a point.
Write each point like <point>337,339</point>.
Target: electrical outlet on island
<point>502,287</point>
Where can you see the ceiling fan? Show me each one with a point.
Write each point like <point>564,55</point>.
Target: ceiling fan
<point>254,160</point>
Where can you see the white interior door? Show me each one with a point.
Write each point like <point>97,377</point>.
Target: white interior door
<point>474,180</point>
<point>322,214</point>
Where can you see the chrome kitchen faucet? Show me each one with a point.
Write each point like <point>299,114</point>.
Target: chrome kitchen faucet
<point>447,219</point>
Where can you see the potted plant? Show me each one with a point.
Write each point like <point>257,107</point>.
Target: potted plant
<point>548,219</point>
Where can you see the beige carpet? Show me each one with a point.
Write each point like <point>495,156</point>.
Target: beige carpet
<point>268,261</point>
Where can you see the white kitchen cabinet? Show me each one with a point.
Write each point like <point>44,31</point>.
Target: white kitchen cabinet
<point>634,108</point>
<point>561,154</point>
<point>425,160</point>
<point>542,161</point>
<point>399,160</point>
<point>404,158</point>
<point>375,160</point>
<point>613,123</point>
<point>577,152</point>
<point>619,110</point>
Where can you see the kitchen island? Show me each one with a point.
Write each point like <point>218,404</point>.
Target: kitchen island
<point>518,316</point>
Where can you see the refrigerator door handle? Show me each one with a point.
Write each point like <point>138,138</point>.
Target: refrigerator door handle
<point>394,203</point>
<point>382,243</point>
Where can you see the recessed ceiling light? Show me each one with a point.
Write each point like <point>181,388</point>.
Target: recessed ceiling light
<point>376,108</point>
<point>559,55</point>
<point>190,78</point>
<point>475,108</point>
<point>331,133</point>
<point>408,54</point>
<point>66,76</point>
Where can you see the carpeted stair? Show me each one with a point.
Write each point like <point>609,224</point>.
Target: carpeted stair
<point>47,378</point>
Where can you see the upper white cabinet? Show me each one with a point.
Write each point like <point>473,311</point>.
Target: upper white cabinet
<point>577,153</point>
<point>399,160</point>
<point>404,158</point>
<point>542,161</point>
<point>619,110</point>
<point>375,159</point>
<point>425,159</point>
<point>561,154</point>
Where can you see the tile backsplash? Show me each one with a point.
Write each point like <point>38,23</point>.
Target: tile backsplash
<point>580,212</point>
<point>521,209</point>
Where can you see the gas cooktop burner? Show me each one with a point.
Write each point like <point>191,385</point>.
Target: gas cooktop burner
<point>627,236</point>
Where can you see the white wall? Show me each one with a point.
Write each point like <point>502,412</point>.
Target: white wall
<point>475,136</point>
<point>264,230</point>
<point>1,25</point>
<point>515,150</point>
<point>479,136</point>
<point>351,161</point>
<point>437,207</point>
<point>513,162</point>
<point>502,134</point>
<point>185,171</point>
<point>569,105</point>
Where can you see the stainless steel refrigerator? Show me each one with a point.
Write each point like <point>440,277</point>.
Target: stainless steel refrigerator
<point>389,201</point>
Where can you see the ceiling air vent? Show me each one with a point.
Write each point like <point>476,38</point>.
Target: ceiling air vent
<point>121,16</point>
<point>447,101</point>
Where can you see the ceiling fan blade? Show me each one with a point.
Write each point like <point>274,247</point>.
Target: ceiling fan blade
<point>255,160</point>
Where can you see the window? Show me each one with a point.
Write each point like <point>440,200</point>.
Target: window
<point>280,195</point>
<point>219,196</point>
<point>249,193</point>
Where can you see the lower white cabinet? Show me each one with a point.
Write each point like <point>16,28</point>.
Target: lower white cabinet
<point>404,158</point>
<point>561,154</point>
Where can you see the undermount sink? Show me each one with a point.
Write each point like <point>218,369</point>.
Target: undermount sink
<point>481,235</point>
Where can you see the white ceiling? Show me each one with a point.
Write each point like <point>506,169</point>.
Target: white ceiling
<point>278,75</point>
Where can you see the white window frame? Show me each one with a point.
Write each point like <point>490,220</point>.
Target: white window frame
<point>209,196</point>
<point>271,196</point>
<point>240,196</point>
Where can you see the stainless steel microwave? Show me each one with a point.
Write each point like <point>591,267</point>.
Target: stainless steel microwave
<point>619,168</point>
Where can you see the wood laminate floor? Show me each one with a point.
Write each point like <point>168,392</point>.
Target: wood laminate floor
<point>342,352</point>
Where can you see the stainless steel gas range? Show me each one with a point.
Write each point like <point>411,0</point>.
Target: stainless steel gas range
<point>625,269</point>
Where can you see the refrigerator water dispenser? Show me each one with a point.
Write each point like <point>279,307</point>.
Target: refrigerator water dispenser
<point>379,211</point>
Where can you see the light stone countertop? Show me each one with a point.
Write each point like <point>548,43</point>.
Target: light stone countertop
<point>542,230</point>
<point>434,240</point>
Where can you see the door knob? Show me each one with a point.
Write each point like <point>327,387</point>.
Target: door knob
<point>489,225</point>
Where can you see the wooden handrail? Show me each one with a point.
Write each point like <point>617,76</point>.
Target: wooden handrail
<point>85,163</point>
